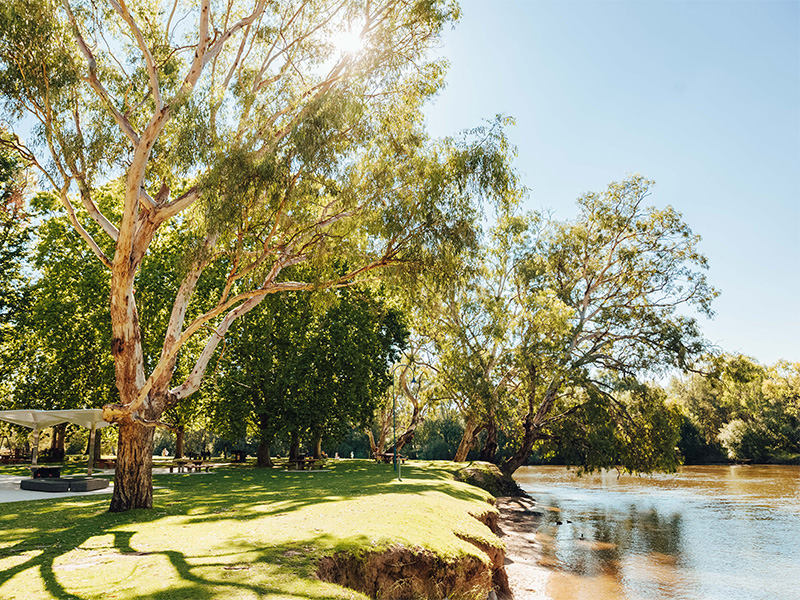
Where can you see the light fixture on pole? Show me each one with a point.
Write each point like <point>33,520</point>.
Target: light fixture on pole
<point>394,417</point>
<point>395,460</point>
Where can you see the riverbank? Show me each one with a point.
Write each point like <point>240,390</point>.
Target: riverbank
<point>518,521</point>
<point>259,533</point>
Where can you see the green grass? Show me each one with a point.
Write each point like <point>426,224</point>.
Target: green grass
<point>238,532</point>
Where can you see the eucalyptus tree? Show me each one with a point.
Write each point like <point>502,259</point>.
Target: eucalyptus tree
<point>472,324</point>
<point>603,299</point>
<point>406,401</point>
<point>14,236</point>
<point>749,410</point>
<point>64,362</point>
<point>245,123</point>
<point>416,398</point>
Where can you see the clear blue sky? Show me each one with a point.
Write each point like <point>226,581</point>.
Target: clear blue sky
<point>702,97</point>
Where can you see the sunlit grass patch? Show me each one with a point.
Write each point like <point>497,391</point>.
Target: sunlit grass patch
<point>239,532</point>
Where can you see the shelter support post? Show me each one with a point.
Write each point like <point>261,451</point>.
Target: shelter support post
<point>91,448</point>
<point>35,448</point>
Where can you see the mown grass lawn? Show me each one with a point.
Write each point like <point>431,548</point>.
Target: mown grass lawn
<point>237,532</point>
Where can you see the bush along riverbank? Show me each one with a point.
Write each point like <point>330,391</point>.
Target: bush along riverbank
<point>351,531</point>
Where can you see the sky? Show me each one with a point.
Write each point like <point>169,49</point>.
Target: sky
<point>702,97</point>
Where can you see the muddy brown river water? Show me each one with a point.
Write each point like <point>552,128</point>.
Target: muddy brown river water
<point>705,533</point>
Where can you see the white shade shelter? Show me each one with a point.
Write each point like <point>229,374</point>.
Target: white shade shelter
<point>91,418</point>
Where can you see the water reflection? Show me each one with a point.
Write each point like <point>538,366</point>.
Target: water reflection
<point>706,533</point>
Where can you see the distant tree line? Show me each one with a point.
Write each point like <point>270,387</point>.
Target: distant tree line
<point>740,410</point>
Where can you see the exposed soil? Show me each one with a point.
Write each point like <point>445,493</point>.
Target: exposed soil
<point>401,573</point>
<point>497,556</point>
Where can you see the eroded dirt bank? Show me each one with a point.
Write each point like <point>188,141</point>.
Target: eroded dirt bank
<point>400,572</point>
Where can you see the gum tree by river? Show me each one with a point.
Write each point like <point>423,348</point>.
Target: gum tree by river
<point>547,337</point>
<point>603,299</point>
<point>247,125</point>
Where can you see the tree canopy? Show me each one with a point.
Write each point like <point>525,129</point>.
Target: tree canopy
<point>550,333</point>
<point>314,370</point>
<point>603,296</point>
<point>243,126</point>
<point>739,409</point>
<point>14,237</point>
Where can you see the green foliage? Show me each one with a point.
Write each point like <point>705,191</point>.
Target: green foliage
<point>294,153</point>
<point>66,329</point>
<point>438,436</point>
<point>693,447</point>
<point>632,429</point>
<point>355,441</point>
<point>14,236</point>
<point>40,61</point>
<point>469,322</point>
<point>747,410</point>
<point>617,274</point>
<point>749,440</point>
<point>296,364</point>
<point>65,333</point>
<point>546,332</point>
<point>600,296</point>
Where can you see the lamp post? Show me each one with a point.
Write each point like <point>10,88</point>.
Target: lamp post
<point>394,419</point>
<point>397,463</point>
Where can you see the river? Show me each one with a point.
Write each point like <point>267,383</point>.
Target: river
<point>705,533</point>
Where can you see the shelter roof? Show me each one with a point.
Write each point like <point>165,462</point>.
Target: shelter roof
<point>39,419</point>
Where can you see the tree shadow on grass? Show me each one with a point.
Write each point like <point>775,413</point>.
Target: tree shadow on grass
<point>42,520</point>
<point>49,529</point>
<point>193,581</point>
<point>192,585</point>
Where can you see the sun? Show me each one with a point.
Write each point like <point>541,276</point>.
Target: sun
<point>348,42</point>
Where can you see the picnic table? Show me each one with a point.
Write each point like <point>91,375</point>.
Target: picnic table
<point>107,463</point>
<point>299,464</point>
<point>14,457</point>
<point>388,457</point>
<point>188,464</point>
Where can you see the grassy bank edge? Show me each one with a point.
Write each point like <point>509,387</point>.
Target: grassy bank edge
<point>239,531</point>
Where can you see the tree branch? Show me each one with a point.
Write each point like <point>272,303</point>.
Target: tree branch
<point>150,63</point>
<point>122,121</point>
